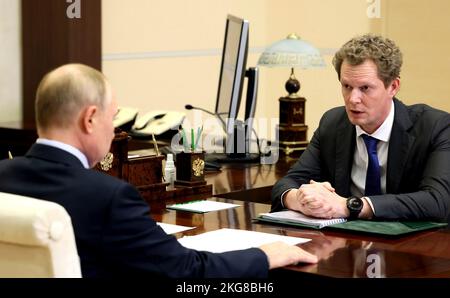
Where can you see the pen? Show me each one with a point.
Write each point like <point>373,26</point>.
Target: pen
<point>155,145</point>
<point>183,136</point>
<point>199,133</point>
<point>192,140</point>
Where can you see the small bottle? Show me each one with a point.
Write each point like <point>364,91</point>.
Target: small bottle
<point>170,171</point>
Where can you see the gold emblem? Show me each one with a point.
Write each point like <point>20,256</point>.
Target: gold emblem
<point>298,111</point>
<point>197,166</point>
<point>107,161</point>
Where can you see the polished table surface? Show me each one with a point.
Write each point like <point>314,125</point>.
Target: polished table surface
<point>250,182</point>
<point>423,254</point>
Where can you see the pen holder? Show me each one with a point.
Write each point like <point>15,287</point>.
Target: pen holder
<point>113,163</point>
<point>190,168</point>
<point>146,170</point>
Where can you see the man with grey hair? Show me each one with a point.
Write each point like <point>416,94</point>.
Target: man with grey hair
<point>115,235</point>
<point>375,157</point>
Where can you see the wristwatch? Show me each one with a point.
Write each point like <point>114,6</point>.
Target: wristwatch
<point>354,205</point>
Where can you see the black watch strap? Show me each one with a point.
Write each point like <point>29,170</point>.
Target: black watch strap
<point>354,206</point>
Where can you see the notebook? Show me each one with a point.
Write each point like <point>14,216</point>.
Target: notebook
<point>296,218</point>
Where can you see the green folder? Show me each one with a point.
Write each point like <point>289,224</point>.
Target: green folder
<point>387,228</point>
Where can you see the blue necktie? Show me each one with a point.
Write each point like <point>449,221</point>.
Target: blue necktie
<point>373,177</point>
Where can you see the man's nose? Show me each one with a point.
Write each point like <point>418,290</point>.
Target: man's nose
<point>355,96</point>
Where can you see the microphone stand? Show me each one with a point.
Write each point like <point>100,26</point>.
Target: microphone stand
<point>224,127</point>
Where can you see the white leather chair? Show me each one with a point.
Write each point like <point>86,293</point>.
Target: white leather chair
<point>36,239</point>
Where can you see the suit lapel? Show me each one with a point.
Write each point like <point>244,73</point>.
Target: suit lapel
<point>400,144</point>
<point>345,147</point>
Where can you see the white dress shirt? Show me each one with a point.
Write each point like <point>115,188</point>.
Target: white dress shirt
<point>68,148</point>
<point>361,160</point>
<point>360,157</point>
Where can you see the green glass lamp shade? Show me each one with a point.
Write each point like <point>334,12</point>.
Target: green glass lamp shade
<point>291,52</point>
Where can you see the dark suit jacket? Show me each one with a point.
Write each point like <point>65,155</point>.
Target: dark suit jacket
<point>113,230</point>
<point>418,166</point>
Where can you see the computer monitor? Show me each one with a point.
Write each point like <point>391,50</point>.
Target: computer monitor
<point>231,81</point>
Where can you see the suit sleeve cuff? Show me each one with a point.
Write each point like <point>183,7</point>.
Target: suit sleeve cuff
<point>282,196</point>
<point>368,201</point>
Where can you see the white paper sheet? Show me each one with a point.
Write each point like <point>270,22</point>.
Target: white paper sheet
<point>172,229</point>
<point>202,206</point>
<point>231,239</point>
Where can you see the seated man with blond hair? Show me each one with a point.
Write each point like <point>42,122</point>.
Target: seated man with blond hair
<point>75,107</point>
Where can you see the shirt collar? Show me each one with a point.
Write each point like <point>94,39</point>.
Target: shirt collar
<point>383,133</point>
<point>66,147</point>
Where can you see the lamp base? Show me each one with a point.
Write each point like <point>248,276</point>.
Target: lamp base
<point>292,139</point>
<point>292,129</point>
<point>292,111</point>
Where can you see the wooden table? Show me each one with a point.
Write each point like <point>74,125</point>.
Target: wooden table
<point>250,182</point>
<point>423,254</point>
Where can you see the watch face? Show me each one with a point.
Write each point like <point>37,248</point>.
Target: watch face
<point>355,206</point>
<point>355,203</point>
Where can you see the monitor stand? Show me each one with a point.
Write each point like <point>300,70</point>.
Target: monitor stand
<point>232,158</point>
<point>237,148</point>
<point>247,158</point>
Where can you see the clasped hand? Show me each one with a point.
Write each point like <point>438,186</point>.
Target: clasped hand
<point>317,199</point>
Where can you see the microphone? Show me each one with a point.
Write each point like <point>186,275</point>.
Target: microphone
<point>191,107</point>
<point>224,126</point>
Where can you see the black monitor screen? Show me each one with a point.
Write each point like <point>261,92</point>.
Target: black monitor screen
<point>233,65</point>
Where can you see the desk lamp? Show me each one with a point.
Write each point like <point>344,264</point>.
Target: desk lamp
<point>292,52</point>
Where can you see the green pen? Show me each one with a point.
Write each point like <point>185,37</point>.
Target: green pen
<point>199,133</point>
<point>183,136</point>
<point>192,140</point>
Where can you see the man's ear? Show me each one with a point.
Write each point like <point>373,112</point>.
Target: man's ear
<point>394,87</point>
<point>87,118</point>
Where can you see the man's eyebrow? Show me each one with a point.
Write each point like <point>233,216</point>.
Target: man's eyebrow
<point>359,84</point>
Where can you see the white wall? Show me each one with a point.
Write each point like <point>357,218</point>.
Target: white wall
<point>139,34</point>
<point>10,61</point>
<point>422,31</point>
<point>162,54</point>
